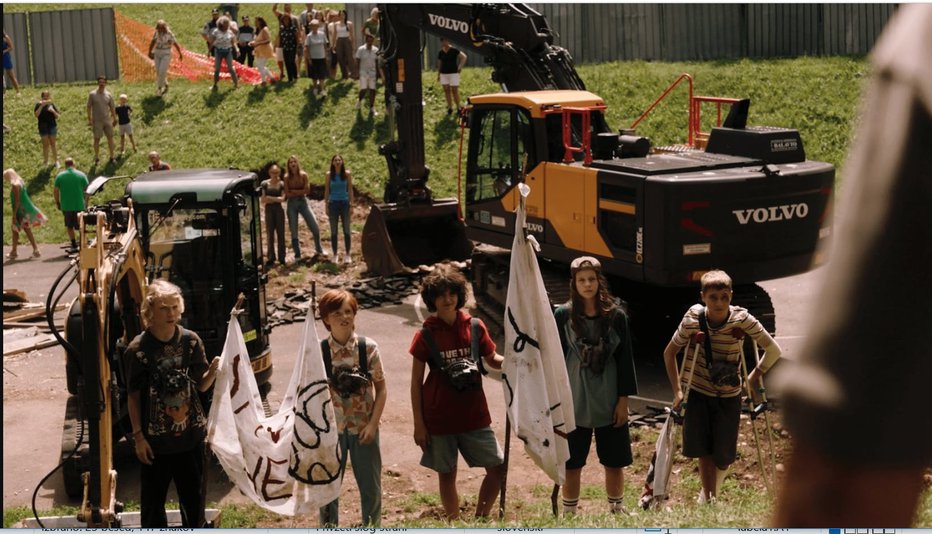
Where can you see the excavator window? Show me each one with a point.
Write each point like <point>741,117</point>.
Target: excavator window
<point>498,152</point>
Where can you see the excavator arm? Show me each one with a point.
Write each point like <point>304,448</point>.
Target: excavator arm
<point>515,41</point>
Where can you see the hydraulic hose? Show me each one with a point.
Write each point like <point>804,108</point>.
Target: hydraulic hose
<point>50,305</point>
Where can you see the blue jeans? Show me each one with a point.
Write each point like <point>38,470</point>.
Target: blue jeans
<point>219,55</point>
<point>339,209</point>
<point>367,469</point>
<point>298,206</point>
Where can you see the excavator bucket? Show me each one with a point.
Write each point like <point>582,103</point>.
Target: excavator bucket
<point>398,237</point>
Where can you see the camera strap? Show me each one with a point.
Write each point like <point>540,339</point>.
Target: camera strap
<point>707,338</point>
<point>436,360</point>
<point>150,347</point>
<point>363,356</point>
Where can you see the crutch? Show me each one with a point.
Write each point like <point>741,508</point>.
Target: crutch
<point>747,386</point>
<point>657,471</point>
<point>765,408</point>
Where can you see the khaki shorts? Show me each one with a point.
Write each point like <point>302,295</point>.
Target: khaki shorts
<point>126,129</point>
<point>366,82</point>
<point>103,127</point>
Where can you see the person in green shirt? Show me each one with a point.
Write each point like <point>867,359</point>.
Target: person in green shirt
<point>71,198</point>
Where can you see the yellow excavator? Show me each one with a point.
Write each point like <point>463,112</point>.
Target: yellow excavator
<point>743,198</point>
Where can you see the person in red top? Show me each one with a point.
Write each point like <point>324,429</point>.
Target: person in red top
<point>451,414</point>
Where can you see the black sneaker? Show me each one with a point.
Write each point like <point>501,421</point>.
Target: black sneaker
<point>449,111</point>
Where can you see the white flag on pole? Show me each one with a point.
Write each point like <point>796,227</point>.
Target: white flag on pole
<point>288,463</point>
<point>537,389</point>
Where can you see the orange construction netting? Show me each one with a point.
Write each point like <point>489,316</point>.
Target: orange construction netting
<point>136,66</point>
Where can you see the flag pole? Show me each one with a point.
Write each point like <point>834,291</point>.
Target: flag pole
<point>504,484</point>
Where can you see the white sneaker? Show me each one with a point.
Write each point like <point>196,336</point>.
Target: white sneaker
<point>323,93</point>
<point>358,104</point>
<point>347,260</point>
<point>373,112</point>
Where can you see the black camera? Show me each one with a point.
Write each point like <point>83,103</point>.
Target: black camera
<point>464,374</point>
<point>348,381</point>
<point>724,374</point>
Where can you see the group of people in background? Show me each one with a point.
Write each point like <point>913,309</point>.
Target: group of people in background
<point>316,41</point>
<point>286,193</point>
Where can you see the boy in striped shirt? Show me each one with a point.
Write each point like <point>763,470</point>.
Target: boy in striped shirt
<point>710,431</point>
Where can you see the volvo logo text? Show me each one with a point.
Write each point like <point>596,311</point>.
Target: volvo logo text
<point>448,23</point>
<point>535,227</point>
<point>773,213</point>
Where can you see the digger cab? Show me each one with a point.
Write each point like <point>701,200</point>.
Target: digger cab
<point>200,229</point>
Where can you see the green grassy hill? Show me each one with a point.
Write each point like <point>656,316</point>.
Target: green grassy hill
<point>250,126</point>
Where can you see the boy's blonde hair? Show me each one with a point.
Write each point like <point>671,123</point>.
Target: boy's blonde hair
<point>159,289</point>
<point>717,279</point>
<point>124,97</point>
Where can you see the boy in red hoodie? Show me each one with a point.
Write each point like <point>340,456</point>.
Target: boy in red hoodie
<point>451,414</point>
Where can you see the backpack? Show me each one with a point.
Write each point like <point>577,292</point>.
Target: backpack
<point>347,380</point>
<point>463,374</point>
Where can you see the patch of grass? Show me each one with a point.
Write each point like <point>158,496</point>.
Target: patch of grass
<point>12,516</point>
<point>419,501</point>
<point>244,516</point>
<point>328,267</point>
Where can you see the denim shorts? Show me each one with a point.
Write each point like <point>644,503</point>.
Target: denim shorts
<point>47,129</point>
<point>479,448</point>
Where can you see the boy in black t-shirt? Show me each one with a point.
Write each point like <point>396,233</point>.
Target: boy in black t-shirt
<point>166,368</point>
<point>123,112</point>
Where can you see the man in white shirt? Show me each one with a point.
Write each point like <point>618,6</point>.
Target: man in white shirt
<point>367,66</point>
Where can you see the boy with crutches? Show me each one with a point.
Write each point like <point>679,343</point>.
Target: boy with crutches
<point>710,429</point>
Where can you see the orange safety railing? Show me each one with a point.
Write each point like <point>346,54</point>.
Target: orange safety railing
<point>695,115</point>
<point>585,114</point>
<point>694,128</point>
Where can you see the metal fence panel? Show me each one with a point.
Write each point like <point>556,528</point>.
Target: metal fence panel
<point>73,45</point>
<point>14,24</point>
<point>597,33</point>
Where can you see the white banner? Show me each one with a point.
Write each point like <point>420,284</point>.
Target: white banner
<point>287,463</point>
<point>537,390</point>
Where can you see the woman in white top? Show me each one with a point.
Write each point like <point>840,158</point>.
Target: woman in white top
<point>262,48</point>
<point>343,44</point>
<point>160,51</point>
<point>223,39</point>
